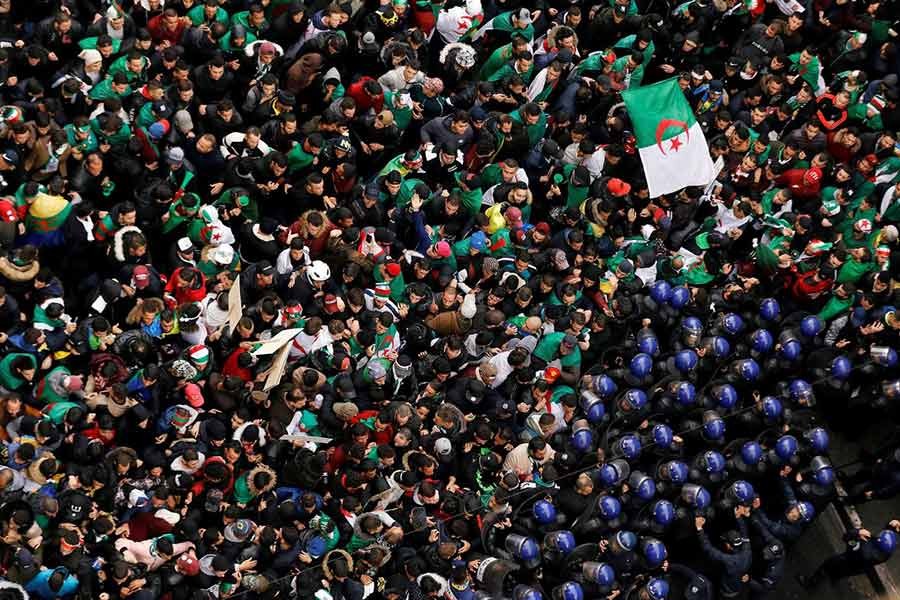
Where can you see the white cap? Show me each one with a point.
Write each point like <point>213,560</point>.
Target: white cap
<point>185,244</point>
<point>90,56</point>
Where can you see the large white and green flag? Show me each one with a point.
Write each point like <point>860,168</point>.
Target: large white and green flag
<point>672,145</point>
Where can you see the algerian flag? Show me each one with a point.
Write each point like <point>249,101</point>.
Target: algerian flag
<point>672,145</point>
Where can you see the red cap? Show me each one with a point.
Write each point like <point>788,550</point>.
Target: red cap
<point>514,215</point>
<point>617,187</point>
<point>141,276</point>
<point>331,304</point>
<point>188,565</point>
<point>193,395</point>
<point>392,269</point>
<point>543,228</point>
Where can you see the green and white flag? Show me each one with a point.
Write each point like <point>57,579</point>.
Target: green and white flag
<point>672,145</point>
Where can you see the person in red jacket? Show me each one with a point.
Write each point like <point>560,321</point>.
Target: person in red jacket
<point>808,287</point>
<point>239,364</point>
<point>186,285</point>
<point>167,28</point>
<point>368,94</point>
<point>805,183</point>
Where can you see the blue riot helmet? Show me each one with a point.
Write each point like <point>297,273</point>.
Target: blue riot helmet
<point>654,552</point>
<point>680,297</point>
<point>841,367</point>
<point>525,592</point>
<point>732,323</point>
<point>751,453</point>
<point>614,472</point>
<point>544,512</point>
<point>790,350</point>
<point>747,369</point>
<point>807,511</point>
<point>657,589</point>
<point>886,541</point>
<point>725,395</point>
<point>761,341</point>
<point>713,425</point>
<point>686,360</point>
<point>647,342</point>
<point>677,471</point>
<point>629,446</point>
<point>811,326</point>
<point>685,393</point>
<point>523,548</point>
<point>582,438</point>
<point>716,346</point>
<point>769,309</point>
<point>786,447</point>
<point>884,356</point>
<point>714,462</point>
<point>604,386</point>
<point>661,291</point>
<point>593,406</point>
<point>570,590</point>
<point>562,541</point>
<point>663,513</point>
<point>801,392</point>
<point>818,439</point>
<point>695,495</point>
<point>663,435</point>
<point>609,508</point>
<point>626,540</point>
<point>633,400</point>
<point>742,492</point>
<point>641,365</point>
<point>691,330</point>
<point>771,408</point>
<point>599,573</point>
<point>823,473</point>
<point>642,485</point>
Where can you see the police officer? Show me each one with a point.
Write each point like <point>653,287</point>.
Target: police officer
<point>864,550</point>
<point>737,557</point>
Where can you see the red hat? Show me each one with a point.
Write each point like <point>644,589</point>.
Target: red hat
<point>392,269</point>
<point>188,565</point>
<point>514,215</point>
<point>443,249</point>
<point>331,304</point>
<point>73,383</point>
<point>141,277</point>
<point>617,187</point>
<point>193,395</point>
<point>543,228</point>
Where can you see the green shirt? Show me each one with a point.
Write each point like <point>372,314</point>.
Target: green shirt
<point>548,350</point>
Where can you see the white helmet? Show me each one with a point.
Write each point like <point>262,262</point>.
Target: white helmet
<point>318,271</point>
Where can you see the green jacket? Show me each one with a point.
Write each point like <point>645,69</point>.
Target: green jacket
<point>8,379</point>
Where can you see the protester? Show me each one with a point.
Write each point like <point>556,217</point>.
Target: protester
<point>442,300</point>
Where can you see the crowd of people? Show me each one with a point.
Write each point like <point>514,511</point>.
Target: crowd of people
<point>370,300</point>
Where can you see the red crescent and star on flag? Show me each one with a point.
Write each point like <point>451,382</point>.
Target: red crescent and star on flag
<point>674,143</point>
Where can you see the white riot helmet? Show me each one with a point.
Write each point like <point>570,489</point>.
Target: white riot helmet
<point>318,271</point>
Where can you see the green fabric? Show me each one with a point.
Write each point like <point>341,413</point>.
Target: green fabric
<point>495,61</point>
<point>104,91</point>
<point>8,379</point>
<point>548,350</point>
<point>48,395</point>
<point>852,271</point>
<point>536,131</point>
<point>834,307</point>
<point>56,412</point>
<point>197,16</point>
